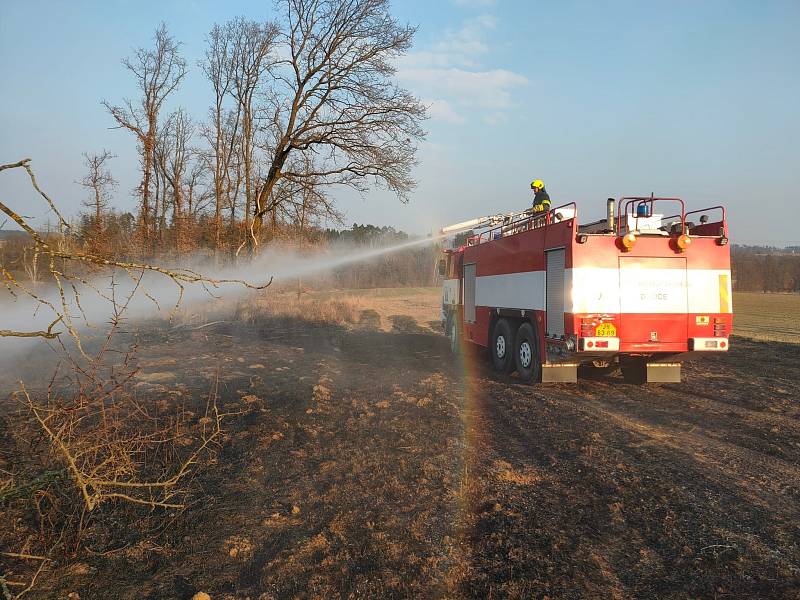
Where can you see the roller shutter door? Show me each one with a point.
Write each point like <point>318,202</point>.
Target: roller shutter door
<point>555,292</point>
<point>469,293</point>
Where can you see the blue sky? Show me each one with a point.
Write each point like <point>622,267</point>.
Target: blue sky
<point>691,99</point>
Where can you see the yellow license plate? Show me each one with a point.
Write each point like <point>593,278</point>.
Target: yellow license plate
<point>605,330</point>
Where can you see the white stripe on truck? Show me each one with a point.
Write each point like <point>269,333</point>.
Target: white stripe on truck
<point>601,290</point>
<point>597,290</point>
<point>514,290</point>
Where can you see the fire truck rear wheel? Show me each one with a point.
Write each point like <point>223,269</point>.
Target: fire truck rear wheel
<point>502,347</point>
<point>526,354</point>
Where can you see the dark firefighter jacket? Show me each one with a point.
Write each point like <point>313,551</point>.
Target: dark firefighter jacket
<point>543,198</point>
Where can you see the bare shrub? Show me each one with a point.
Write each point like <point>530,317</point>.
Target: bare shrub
<point>342,311</point>
<point>113,445</point>
<point>88,443</point>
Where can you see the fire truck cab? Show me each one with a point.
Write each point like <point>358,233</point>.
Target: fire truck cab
<point>639,290</point>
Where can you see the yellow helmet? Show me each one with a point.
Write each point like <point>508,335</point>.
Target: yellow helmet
<point>537,184</point>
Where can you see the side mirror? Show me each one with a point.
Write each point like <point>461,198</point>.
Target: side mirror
<point>441,267</point>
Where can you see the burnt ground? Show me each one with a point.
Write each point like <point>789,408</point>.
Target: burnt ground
<point>373,464</point>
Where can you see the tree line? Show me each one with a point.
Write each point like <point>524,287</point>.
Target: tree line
<point>754,268</point>
<point>766,269</point>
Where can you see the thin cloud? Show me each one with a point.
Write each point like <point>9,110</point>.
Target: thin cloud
<point>482,89</point>
<point>465,46</point>
<point>474,3</point>
<point>468,43</point>
<point>450,73</point>
<point>496,118</point>
<point>442,110</point>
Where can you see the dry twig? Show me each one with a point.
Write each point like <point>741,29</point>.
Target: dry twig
<point>23,556</point>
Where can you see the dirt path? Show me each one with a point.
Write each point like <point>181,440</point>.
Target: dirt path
<point>371,464</point>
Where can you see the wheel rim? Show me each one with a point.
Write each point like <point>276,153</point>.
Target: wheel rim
<point>500,346</point>
<point>525,354</point>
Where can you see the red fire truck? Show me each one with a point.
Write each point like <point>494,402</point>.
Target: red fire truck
<point>639,290</point>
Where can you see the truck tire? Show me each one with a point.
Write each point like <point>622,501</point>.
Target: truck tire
<point>502,347</point>
<point>526,354</point>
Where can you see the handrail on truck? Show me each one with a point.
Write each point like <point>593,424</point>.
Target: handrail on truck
<point>722,208</point>
<point>516,226</point>
<point>723,220</point>
<point>636,201</point>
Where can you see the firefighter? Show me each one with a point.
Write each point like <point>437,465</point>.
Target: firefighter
<point>541,199</point>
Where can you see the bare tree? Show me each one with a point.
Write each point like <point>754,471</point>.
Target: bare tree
<point>162,149</point>
<point>223,130</point>
<point>198,196</point>
<point>179,131</point>
<point>333,100</point>
<point>238,56</point>
<point>223,166</point>
<point>302,201</point>
<point>251,45</point>
<point>158,72</point>
<point>99,182</point>
<point>234,184</point>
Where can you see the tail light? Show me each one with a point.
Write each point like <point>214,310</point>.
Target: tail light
<point>597,344</point>
<point>587,327</point>
<point>720,328</point>
<point>609,344</point>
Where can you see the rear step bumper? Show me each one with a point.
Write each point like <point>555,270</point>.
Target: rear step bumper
<point>560,373</point>
<point>655,372</point>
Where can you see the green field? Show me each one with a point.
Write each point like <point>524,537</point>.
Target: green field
<point>773,317</point>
